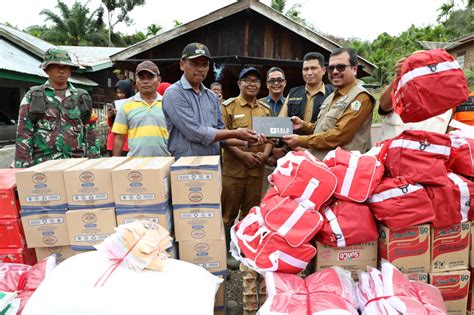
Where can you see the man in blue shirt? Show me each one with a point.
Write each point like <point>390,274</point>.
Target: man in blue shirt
<point>192,111</point>
<point>276,83</point>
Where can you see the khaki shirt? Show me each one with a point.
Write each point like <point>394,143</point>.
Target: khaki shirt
<point>345,127</point>
<point>237,113</point>
<point>308,112</point>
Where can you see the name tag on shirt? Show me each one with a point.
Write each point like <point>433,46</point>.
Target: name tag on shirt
<point>239,116</point>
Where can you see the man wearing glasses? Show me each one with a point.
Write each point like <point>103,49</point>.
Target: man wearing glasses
<point>276,83</point>
<point>345,117</point>
<point>192,111</point>
<point>305,101</point>
<point>243,166</point>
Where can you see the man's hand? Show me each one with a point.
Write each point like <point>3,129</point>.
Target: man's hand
<point>398,65</point>
<point>278,152</point>
<point>248,135</point>
<point>262,157</point>
<point>291,140</point>
<point>250,159</point>
<point>297,122</point>
<point>111,112</point>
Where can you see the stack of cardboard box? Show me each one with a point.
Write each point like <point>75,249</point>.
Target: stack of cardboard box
<point>142,192</point>
<point>12,241</point>
<point>43,201</point>
<point>196,194</point>
<point>90,196</point>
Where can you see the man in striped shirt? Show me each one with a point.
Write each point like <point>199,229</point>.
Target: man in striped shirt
<point>141,117</point>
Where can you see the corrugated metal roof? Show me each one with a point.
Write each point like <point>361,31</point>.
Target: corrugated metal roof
<point>89,56</point>
<point>35,45</point>
<point>435,45</point>
<point>13,58</point>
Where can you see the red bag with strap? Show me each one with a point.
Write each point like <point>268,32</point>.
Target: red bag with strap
<point>347,223</point>
<point>462,157</point>
<point>399,204</point>
<point>300,176</point>
<point>291,220</point>
<point>452,202</point>
<point>418,156</point>
<point>357,175</point>
<point>430,83</point>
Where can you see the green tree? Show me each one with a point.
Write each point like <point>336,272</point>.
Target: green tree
<point>177,23</point>
<point>124,7</point>
<point>153,30</point>
<point>73,26</point>
<point>445,10</point>
<point>294,12</point>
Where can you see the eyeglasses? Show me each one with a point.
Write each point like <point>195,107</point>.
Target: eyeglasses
<point>249,82</point>
<point>274,81</point>
<point>340,67</point>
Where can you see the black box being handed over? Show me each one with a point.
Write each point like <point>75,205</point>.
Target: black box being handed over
<point>273,127</point>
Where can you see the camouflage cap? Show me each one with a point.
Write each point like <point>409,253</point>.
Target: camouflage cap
<point>58,57</point>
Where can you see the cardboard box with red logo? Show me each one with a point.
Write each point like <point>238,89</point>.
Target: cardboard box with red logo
<point>9,203</point>
<point>407,249</point>
<point>196,180</point>
<point>142,183</point>
<point>454,287</point>
<point>418,276</point>
<point>89,227</point>
<point>471,250</point>
<point>23,255</point>
<point>470,297</point>
<point>41,187</point>
<point>11,234</point>
<point>197,223</point>
<point>352,258</point>
<point>89,184</point>
<point>61,252</point>
<point>45,228</point>
<point>450,247</point>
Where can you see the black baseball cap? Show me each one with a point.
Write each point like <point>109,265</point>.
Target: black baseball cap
<point>246,71</point>
<point>195,50</point>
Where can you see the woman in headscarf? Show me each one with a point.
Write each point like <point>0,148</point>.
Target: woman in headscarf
<point>123,90</point>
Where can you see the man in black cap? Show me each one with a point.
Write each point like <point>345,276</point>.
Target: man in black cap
<point>243,166</point>
<point>192,111</point>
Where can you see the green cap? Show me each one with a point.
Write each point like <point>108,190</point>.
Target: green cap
<point>57,56</point>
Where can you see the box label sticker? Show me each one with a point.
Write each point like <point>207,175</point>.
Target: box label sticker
<point>36,222</point>
<point>43,198</point>
<point>89,197</point>
<point>188,177</point>
<point>90,238</point>
<point>196,215</point>
<point>135,197</point>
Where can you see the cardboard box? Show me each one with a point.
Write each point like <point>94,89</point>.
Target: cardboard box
<point>41,187</point>
<point>418,276</point>
<point>470,297</point>
<point>142,183</point>
<point>9,203</point>
<point>407,249</point>
<point>89,184</point>
<point>209,254</point>
<point>352,258</point>
<point>45,228</point>
<point>11,234</point>
<point>220,300</point>
<point>450,247</point>
<point>454,286</point>
<point>196,180</point>
<point>18,256</point>
<point>471,249</point>
<point>61,252</point>
<point>89,227</point>
<point>162,217</point>
<point>197,223</point>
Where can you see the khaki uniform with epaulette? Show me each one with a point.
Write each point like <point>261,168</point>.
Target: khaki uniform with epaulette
<point>241,186</point>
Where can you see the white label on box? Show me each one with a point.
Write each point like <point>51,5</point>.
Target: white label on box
<point>154,220</point>
<point>90,238</point>
<point>188,177</point>
<point>89,197</point>
<point>212,264</point>
<point>43,198</point>
<point>137,197</point>
<point>35,222</point>
<point>194,215</point>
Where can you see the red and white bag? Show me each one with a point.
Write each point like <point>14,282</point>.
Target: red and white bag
<point>400,205</point>
<point>462,146</point>
<point>347,223</point>
<point>300,176</point>
<point>453,203</point>
<point>253,244</point>
<point>430,83</point>
<point>357,175</point>
<point>418,156</point>
<point>291,220</point>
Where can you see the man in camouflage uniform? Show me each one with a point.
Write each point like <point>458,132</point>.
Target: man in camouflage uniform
<point>54,120</point>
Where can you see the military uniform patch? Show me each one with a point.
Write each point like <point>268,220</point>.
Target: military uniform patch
<point>355,106</point>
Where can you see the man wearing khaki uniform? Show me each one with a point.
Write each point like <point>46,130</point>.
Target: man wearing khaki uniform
<point>243,167</point>
<point>345,117</point>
